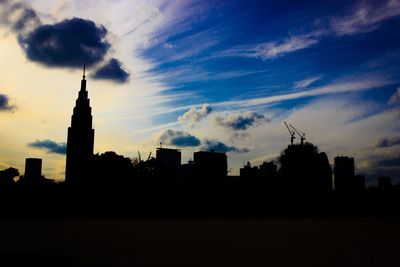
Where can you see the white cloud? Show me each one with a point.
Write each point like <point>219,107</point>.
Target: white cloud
<point>352,84</point>
<point>306,82</point>
<point>365,17</point>
<point>395,98</point>
<point>274,49</point>
<point>340,86</point>
<point>194,115</point>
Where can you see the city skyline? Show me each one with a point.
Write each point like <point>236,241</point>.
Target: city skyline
<point>157,83</point>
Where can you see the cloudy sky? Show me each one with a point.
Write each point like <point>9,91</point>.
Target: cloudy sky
<point>200,75</point>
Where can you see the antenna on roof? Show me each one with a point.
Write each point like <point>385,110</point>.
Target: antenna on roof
<point>84,71</point>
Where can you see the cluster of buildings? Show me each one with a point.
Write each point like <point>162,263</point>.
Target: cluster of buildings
<point>79,160</point>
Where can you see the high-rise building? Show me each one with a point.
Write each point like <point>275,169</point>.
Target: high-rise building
<point>168,160</point>
<point>343,173</point>
<point>33,170</point>
<point>80,137</point>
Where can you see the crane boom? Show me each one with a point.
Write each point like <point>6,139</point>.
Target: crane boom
<point>301,134</point>
<point>292,133</point>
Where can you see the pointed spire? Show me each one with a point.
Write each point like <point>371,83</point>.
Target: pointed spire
<point>83,82</point>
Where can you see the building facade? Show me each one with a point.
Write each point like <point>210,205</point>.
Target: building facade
<point>80,140</point>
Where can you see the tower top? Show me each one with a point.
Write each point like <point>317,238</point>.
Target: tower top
<point>83,82</point>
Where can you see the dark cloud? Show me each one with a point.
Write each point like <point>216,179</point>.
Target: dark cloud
<point>390,162</point>
<point>209,145</point>
<point>241,121</point>
<point>19,16</point>
<point>5,103</point>
<point>112,70</point>
<point>387,142</point>
<point>50,146</point>
<point>69,43</point>
<point>178,138</point>
<point>194,115</point>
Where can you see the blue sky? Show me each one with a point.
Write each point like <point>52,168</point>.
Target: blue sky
<point>245,50</point>
<point>203,74</point>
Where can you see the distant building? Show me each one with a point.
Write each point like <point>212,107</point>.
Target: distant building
<point>249,171</point>
<point>168,160</point>
<point>304,169</point>
<point>110,170</point>
<point>80,138</point>
<point>358,183</point>
<point>33,170</point>
<point>268,169</point>
<point>384,183</point>
<point>343,173</point>
<point>210,164</point>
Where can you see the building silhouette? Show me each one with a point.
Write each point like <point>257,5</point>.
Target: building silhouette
<point>168,161</point>
<point>268,169</point>
<point>344,173</point>
<point>358,183</point>
<point>384,183</point>
<point>249,171</point>
<point>110,170</point>
<point>304,169</point>
<point>33,170</point>
<point>210,164</point>
<point>80,138</point>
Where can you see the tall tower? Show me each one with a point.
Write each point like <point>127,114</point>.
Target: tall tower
<point>80,138</point>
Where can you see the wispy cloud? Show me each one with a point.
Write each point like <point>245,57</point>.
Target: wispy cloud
<point>395,98</point>
<point>306,82</point>
<point>365,17</point>
<point>190,46</point>
<point>387,142</point>
<point>274,49</point>
<point>193,74</point>
<point>345,86</point>
<point>19,16</point>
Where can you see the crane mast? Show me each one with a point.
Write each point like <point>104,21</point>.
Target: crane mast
<point>291,132</point>
<point>301,134</point>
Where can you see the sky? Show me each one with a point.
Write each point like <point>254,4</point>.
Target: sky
<point>202,75</point>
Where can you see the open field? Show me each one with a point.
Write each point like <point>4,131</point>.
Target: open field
<point>200,242</point>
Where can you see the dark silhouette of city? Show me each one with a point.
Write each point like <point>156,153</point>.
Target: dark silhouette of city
<point>299,182</point>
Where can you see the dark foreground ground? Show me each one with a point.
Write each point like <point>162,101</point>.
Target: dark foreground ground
<point>200,242</point>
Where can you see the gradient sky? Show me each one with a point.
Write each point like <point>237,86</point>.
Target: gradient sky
<point>202,75</point>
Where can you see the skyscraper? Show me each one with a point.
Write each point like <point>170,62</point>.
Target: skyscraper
<point>80,137</point>
<point>344,173</point>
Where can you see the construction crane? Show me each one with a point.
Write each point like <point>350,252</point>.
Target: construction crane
<point>301,134</point>
<point>292,133</point>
